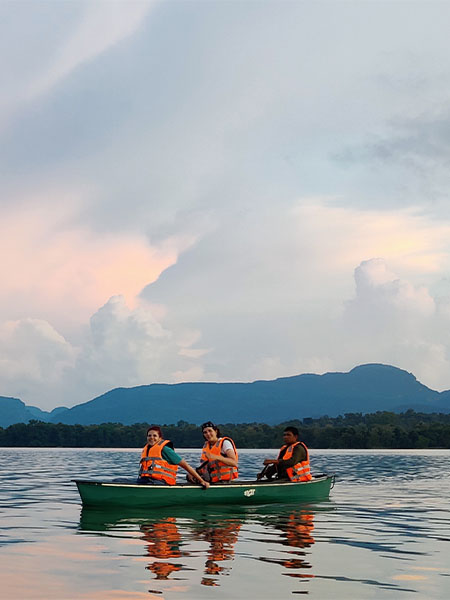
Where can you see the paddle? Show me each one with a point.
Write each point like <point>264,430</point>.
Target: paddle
<point>263,472</point>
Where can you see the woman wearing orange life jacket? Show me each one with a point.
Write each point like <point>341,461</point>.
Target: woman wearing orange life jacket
<point>159,461</point>
<point>293,460</point>
<point>219,456</point>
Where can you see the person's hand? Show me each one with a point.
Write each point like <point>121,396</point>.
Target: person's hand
<point>204,484</point>
<point>269,461</point>
<point>208,454</point>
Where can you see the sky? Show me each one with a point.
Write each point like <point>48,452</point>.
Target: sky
<point>221,191</point>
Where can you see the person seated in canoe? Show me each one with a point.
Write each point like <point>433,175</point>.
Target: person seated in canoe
<point>159,461</point>
<point>219,459</point>
<point>292,463</point>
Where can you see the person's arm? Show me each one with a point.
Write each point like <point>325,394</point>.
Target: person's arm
<point>229,459</point>
<point>271,461</point>
<point>175,459</point>
<point>298,455</point>
<point>228,456</point>
<point>193,473</point>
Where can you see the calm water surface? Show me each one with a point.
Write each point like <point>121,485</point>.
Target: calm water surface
<point>384,533</point>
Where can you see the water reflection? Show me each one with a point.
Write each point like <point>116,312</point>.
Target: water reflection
<point>174,536</point>
<point>221,536</point>
<point>163,542</point>
<point>297,534</point>
<point>175,539</point>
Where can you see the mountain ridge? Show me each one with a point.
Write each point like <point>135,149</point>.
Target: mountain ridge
<point>366,388</point>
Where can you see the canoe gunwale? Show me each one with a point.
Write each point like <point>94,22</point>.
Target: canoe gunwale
<point>188,486</point>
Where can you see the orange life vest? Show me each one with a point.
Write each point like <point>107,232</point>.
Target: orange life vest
<point>163,538</point>
<point>154,466</point>
<point>222,540</point>
<point>301,470</point>
<point>219,471</point>
<point>299,530</point>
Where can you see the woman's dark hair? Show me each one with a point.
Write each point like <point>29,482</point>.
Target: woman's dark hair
<point>213,426</point>
<point>155,428</point>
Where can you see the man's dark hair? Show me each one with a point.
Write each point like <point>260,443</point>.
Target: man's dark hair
<point>293,430</point>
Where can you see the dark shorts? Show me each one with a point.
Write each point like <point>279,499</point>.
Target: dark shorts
<point>150,481</point>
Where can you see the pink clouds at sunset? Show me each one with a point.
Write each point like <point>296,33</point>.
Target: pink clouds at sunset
<point>60,270</point>
<point>413,242</point>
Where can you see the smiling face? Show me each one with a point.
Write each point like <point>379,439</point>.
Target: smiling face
<point>289,438</point>
<point>210,435</point>
<point>153,437</point>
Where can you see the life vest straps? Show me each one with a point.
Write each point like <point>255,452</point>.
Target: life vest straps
<point>154,466</point>
<point>300,471</point>
<point>157,466</point>
<point>219,471</point>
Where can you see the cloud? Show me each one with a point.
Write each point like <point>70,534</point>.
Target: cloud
<point>128,347</point>
<point>61,270</point>
<point>34,357</point>
<point>57,40</point>
<point>384,301</point>
<point>122,347</point>
<point>406,162</point>
<point>394,321</point>
<point>241,303</point>
<point>101,25</point>
<point>295,257</point>
<point>184,163</point>
<point>270,305</point>
<point>418,142</point>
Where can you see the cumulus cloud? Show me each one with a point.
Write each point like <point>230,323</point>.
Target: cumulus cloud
<point>126,347</point>
<point>378,291</point>
<point>392,320</point>
<point>34,358</point>
<point>121,347</point>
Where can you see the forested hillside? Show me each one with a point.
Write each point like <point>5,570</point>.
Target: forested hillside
<point>379,430</point>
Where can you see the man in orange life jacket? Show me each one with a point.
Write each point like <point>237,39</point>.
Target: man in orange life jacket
<point>293,460</point>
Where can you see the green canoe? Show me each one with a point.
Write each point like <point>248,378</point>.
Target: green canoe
<point>109,494</point>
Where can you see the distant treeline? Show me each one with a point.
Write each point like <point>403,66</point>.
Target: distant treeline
<point>355,430</point>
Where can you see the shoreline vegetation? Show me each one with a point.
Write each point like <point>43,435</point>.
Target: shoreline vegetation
<point>407,430</point>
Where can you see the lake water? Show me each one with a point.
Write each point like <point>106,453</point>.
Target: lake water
<point>385,533</point>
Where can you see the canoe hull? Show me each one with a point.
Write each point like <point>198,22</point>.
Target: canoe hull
<point>110,494</point>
